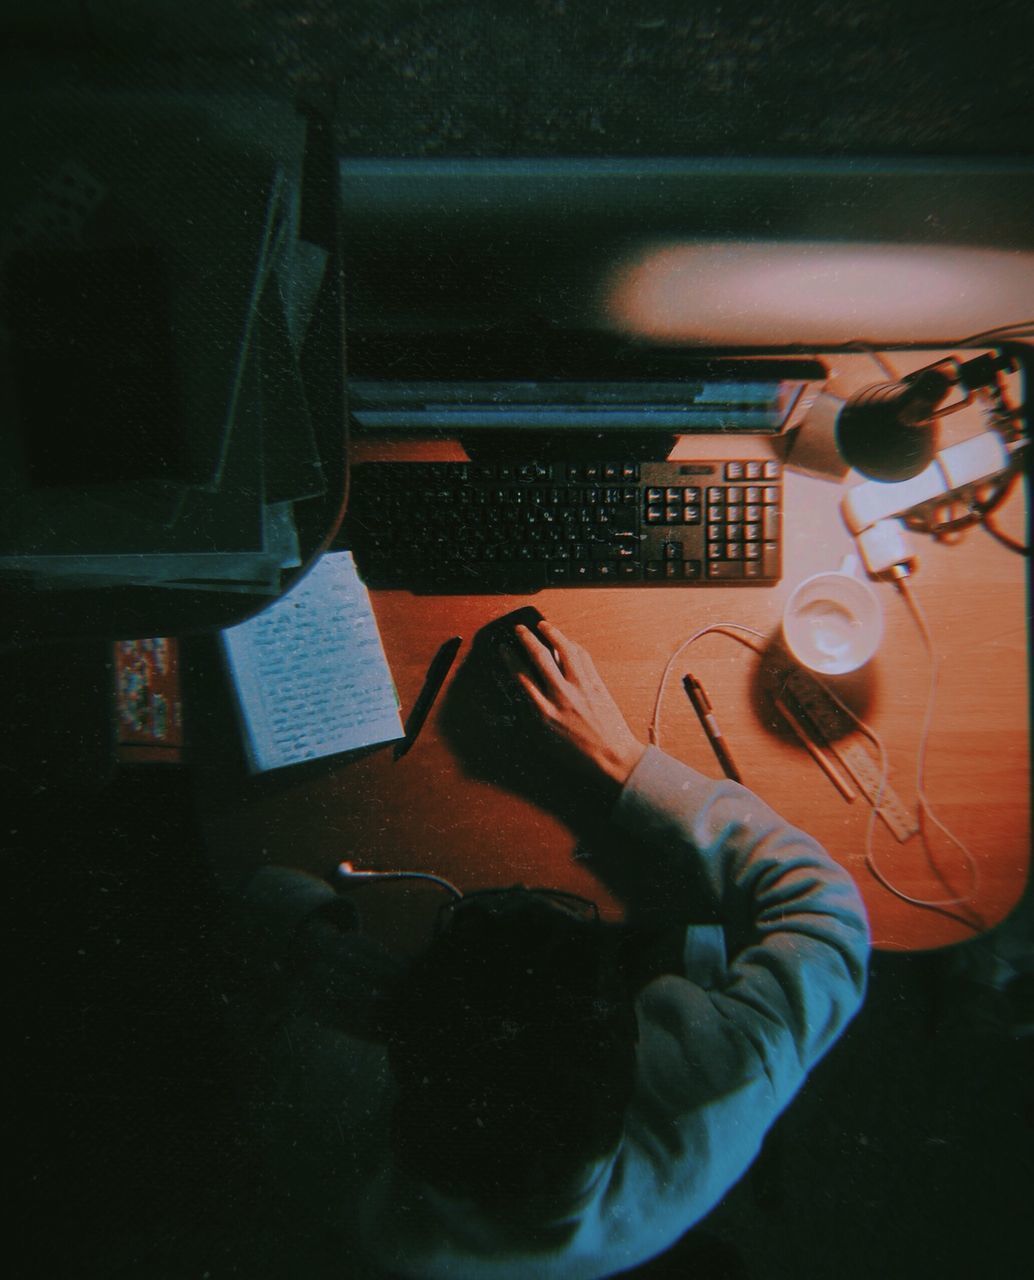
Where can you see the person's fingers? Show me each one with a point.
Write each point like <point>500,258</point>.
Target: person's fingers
<point>535,696</point>
<point>566,650</point>
<point>576,661</point>
<point>540,659</point>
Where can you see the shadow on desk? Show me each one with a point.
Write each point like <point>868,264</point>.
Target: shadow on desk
<point>494,737</point>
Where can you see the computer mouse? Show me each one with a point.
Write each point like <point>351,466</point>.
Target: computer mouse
<point>502,632</point>
<point>487,657</point>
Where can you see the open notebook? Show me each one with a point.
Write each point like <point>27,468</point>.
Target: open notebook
<point>309,672</point>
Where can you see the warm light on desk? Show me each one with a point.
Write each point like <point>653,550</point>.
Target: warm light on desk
<point>815,293</point>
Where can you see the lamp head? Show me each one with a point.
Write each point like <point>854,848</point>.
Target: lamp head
<point>888,431</point>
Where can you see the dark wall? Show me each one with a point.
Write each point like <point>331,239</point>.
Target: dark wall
<point>591,77</point>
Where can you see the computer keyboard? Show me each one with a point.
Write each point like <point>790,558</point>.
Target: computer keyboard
<point>519,526</point>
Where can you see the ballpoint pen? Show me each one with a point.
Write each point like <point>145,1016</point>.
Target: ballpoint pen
<point>435,678</point>
<point>842,783</point>
<point>702,706</point>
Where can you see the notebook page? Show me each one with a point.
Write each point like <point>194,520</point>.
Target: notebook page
<point>310,673</point>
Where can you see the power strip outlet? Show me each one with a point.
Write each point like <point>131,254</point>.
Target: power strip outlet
<point>974,461</point>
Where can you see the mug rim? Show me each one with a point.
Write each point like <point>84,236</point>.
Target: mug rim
<point>873,624</point>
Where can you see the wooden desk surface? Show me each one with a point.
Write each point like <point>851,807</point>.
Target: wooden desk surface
<point>442,808</point>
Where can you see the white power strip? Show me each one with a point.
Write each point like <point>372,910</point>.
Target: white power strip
<point>975,461</point>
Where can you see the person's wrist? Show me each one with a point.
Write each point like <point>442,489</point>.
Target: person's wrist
<point>622,760</point>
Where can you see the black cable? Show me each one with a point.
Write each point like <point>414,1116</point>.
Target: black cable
<point>1021,328</point>
<point>1004,539</point>
<point>978,511</point>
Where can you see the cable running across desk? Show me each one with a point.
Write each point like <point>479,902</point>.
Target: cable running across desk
<point>756,642</point>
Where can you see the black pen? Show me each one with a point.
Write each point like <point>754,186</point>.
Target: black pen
<point>433,681</point>
<point>702,706</point>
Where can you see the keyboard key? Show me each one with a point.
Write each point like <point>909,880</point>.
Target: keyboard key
<point>770,559</point>
<point>725,570</point>
<point>771,493</point>
<point>772,470</point>
<point>753,471</point>
<point>734,471</point>
<point>692,570</point>
<point>716,493</point>
<point>770,524</point>
<point>751,532</point>
<point>734,514</point>
<point>690,495</point>
<point>753,494</point>
<point>734,551</point>
<point>690,515</point>
<point>673,551</point>
<point>752,514</point>
<point>734,493</point>
<point>752,551</point>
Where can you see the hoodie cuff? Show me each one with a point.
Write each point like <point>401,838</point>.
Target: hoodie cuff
<point>662,793</point>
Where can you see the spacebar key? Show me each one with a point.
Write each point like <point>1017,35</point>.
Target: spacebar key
<point>479,578</point>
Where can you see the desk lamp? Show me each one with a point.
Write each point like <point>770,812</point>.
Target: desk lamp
<point>977,473</point>
<point>888,430</point>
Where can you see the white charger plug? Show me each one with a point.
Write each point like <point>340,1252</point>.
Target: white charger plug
<point>884,547</point>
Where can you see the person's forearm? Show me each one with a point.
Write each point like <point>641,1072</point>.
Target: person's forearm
<point>790,911</point>
<point>728,834</point>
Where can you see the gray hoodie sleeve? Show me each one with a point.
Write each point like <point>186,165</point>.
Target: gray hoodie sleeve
<point>795,926</point>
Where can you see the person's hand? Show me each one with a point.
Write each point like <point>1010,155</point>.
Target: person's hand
<point>568,698</point>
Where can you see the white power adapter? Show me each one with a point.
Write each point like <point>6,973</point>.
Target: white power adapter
<point>884,546</point>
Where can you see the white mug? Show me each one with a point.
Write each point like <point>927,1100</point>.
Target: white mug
<point>833,623</point>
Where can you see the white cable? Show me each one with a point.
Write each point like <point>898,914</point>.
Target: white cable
<point>730,628</point>
<point>654,731</point>
<point>347,874</point>
<point>925,808</point>
<point>870,830</point>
